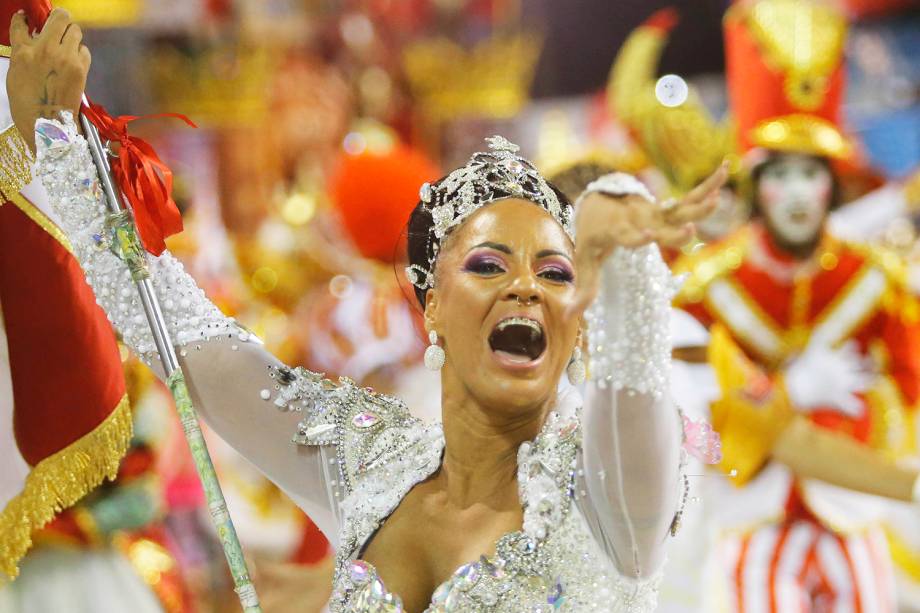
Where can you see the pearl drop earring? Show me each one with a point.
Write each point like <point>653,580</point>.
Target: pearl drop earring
<point>434,353</point>
<point>576,369</point>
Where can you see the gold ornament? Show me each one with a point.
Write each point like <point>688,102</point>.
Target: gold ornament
<point>221,87</point>
<point>491,80</point>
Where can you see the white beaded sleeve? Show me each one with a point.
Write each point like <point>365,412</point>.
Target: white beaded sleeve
<point>632,453</point>
<point>69,176</point>
<point>233,380</point>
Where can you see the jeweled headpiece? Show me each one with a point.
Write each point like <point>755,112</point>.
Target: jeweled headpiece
<point>489,176</point>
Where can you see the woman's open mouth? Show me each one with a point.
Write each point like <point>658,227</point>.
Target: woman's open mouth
<point>518,340</point>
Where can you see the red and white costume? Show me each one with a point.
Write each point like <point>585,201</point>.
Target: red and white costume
<point>787,544</point>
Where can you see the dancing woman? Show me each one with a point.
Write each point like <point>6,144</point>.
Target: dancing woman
<point>525,498</point>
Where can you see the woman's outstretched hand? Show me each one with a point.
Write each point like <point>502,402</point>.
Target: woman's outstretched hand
<point>47,71</point>
<point>605,222</point>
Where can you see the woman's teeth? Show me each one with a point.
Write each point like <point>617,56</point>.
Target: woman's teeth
<point>519,321</point>
<point>518,339</point>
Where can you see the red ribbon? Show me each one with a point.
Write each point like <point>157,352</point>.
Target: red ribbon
<point>143,178</point>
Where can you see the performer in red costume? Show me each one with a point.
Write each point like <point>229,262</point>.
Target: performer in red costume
<point>814,340</point>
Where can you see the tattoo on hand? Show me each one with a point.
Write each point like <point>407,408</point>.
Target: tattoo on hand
<point>46,108</point>
<point>43,101</point>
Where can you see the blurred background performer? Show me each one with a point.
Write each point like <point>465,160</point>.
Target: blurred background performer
<point>67,415</point>
<point>814,340</point>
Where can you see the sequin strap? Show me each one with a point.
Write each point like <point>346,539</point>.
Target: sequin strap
<point>68,174</point>
<point>628,324</point>
<point>353,419</point>
<point>546,474</point>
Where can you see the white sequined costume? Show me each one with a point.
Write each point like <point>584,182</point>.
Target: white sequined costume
<point>600,486</point>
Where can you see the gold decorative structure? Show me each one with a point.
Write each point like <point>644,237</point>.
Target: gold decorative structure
<point>491,80</point>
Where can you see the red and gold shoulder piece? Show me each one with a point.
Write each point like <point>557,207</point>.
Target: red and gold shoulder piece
<point>709,263</point>
<point>883,258</point>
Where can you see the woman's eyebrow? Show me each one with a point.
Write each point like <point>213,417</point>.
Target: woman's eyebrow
<point>548,252</point>
<point>491,245</point>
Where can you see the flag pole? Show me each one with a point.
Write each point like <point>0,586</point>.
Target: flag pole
<point>128,247</point>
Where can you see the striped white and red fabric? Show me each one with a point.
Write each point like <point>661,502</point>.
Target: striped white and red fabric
<point>801,567</point>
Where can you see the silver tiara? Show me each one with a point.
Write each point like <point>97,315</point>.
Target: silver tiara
<point>489,176</point>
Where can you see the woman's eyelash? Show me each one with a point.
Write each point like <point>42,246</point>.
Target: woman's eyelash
<point>484,267</point>
<point>490,266</point>
<point>557,274</point>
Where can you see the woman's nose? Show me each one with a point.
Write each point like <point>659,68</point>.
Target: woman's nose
<point>524,289</point>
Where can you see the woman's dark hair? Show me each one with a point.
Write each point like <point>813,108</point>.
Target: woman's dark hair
<point>420,240</point>
<point>773,158</point>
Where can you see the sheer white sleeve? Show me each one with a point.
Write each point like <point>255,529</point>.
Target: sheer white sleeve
<point>237,386</point>
<point>632,431</point>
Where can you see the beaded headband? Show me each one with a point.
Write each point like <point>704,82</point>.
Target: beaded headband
<point>489,176</point>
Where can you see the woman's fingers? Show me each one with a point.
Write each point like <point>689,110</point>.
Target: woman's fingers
<point>674,236</point>
<point>629,235</point>
<point>709,185</point>
<point>55,27</point>
<point>85,56</point>
<point>19,30</point>
<point>690,210</point>
<point>72,39</point>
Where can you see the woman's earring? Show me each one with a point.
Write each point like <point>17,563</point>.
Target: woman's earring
<point>434,354</point>
<point>576,369</point>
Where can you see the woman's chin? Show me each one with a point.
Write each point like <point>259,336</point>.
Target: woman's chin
<point>519,381</point>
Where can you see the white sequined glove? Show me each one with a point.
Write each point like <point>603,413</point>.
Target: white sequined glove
<point>68,174</point>
<point>629,321</point>
<point>823,377</point>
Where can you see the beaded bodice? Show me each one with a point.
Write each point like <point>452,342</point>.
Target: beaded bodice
<point>552,563</point>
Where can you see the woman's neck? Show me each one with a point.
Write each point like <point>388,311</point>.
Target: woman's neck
<point>481,447</point>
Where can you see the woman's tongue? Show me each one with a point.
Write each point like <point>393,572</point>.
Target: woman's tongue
<point>520,358</point>
<point>515,344</point>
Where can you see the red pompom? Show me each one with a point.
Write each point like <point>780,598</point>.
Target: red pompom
<point>374,194</point>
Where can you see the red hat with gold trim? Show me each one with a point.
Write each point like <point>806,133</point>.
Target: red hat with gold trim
<point>785,71</point>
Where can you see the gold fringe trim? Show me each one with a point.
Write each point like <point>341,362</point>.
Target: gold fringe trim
<point>60,480</point>
<point>15,162</point>
<point>36,215</point>
<point>6,51</point>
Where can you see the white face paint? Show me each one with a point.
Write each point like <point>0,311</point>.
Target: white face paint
<point>794,192</point>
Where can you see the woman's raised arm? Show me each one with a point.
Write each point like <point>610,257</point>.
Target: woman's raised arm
<point>233,379</point>
<point>632,429</point>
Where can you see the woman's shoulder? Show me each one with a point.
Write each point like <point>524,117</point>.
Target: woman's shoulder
<point>368,429</point>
